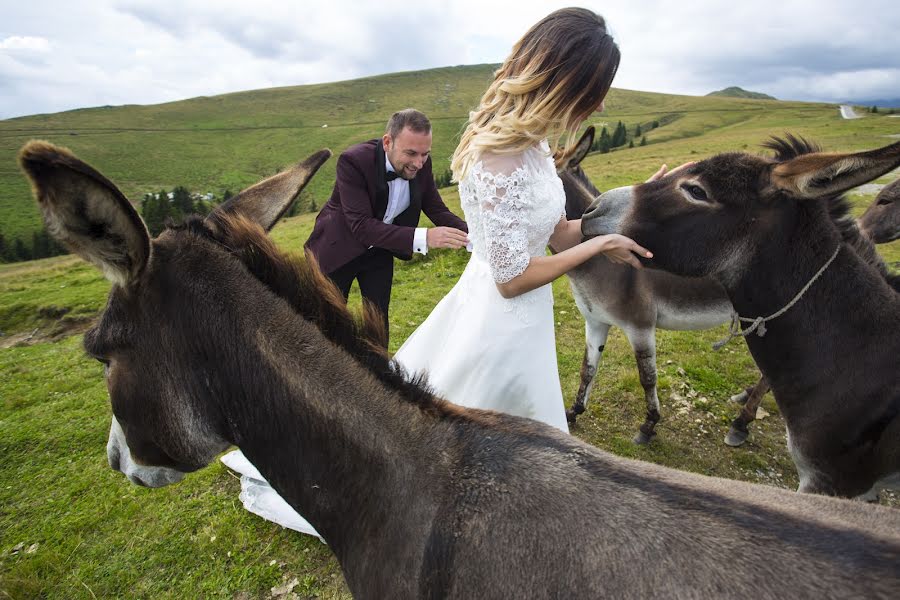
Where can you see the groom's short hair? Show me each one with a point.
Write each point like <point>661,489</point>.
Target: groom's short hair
<point>409,117</point>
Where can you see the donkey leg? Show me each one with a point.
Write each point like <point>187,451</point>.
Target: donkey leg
<point>644,345</point>
<point>595,335</point>
<point>739,431</point>
<point>741,397</point>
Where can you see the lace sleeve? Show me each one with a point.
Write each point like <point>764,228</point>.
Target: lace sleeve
<point>501,184</point>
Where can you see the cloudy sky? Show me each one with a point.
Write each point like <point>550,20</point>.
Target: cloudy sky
<point>61,54</point>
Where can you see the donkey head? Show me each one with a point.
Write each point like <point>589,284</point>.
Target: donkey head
<point>163,300</point>
<point>881,221</point>
<point>710,218</point>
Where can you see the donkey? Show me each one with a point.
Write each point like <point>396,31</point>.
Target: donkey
<point>212,338</point>
<point>824,323</point>
<point>602,292</point>
<point>881,221</point>
<point>637,302</point>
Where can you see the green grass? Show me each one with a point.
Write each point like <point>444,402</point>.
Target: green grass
<point>96,535</point>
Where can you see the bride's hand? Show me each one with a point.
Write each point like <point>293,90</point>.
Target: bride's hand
<point>664,170</point>
<point>620,249</point>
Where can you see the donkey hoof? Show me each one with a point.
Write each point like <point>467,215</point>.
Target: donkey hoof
<point>642,439</point>
<point>572,413</point>
<point>740,398</point>
<point>736,437</point>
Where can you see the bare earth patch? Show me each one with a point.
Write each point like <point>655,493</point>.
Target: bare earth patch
<point>53,331</point>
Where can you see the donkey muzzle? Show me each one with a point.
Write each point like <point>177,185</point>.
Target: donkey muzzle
<point>118,454</point>
<point>606,213</point>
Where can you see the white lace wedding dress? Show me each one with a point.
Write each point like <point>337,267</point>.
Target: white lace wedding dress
<point>482,350</point>
<point>477,348</point>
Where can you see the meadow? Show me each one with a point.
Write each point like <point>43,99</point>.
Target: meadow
<point>70,527</point>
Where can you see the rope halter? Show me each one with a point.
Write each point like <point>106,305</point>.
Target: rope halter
<point>759,323</point>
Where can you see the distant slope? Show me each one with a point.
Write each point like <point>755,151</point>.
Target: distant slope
<point>210,144</point>
<point>736,92</point>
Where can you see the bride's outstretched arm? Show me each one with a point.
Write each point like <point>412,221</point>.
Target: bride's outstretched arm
<point>544,269</point>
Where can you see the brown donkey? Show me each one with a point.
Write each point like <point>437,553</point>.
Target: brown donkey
<point>639,302</point>
<point>211,338</point>
<point>823,325</point>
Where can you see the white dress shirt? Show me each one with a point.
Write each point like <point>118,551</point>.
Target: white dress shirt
<point>398,201</point>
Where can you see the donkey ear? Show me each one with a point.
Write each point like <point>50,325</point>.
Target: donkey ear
<point>86,212</point>
<point>266,202</point>
<point>820,174</point>
<point>580,150</point>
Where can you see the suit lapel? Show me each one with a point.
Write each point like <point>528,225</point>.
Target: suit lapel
<point>381,186</point>
<point>415,194</point>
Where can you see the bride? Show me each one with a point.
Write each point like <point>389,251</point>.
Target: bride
<point>490,342</point>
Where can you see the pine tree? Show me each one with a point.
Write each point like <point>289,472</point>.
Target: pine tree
<point>51,246</point>
<point>620,135</point>
<point>155,210</point>
<point>203,208</point>
<point>20,250</point>
<point>637,130</point>
<point>444,179</point>
<point>39,246</point>
<point>631,143</point>
<point>602,143</point>
<point>644,141</point>
<point>182,204</point>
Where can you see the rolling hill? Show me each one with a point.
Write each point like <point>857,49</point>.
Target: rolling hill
<point>736,92</point>
<point>218,143</point>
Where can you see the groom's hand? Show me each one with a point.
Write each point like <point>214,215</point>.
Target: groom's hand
<point>446,237</point>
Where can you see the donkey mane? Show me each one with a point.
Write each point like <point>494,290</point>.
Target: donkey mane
<point>580,178</point>
<point>315,298</point>
<point>791,147</point>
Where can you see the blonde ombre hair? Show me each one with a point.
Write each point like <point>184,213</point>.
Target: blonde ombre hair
<point>555,76</point>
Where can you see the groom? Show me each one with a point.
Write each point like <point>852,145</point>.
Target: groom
<point>381,188</point>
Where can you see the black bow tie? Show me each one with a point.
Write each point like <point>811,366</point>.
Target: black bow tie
<point>391,175</point>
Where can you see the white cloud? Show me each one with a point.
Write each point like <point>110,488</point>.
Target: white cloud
<point>841,86</point>
<point>56,55</point>
<point>18,42</point>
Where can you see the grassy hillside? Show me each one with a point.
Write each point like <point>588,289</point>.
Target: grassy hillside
<point>227,142</point>
<point>70,527</point>
<point>210,144</point>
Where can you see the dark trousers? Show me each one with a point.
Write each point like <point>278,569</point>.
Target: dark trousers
<point>374,270</point>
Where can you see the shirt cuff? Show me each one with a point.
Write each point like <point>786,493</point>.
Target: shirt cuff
<point>419,241</point>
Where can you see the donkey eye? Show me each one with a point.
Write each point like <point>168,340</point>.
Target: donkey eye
<point>103,361</point>
<point>883,201</point>
<point>696,192</point>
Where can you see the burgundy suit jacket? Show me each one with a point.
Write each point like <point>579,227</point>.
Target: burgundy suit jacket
<point>352,219</point>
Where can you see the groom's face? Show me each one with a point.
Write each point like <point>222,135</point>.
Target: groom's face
<point>408,151</point>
